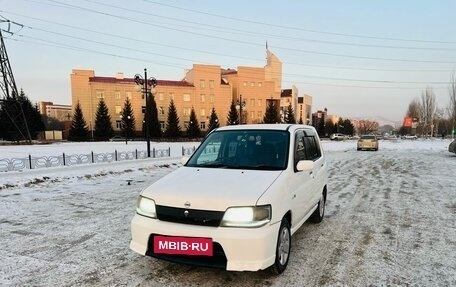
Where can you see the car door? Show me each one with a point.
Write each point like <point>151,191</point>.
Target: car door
<point>301,183</point>
<point>314,153</point>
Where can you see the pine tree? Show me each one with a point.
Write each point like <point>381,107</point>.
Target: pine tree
<point>233,117</point>
<point>213,121</point>
<point>14,124</point>
<point>154,125</point>
<point>172,127</point>
<point>103,124</point>
<point>78,130</point>
<point>193,129</point>
<point>289,115</point>
<point>271,116</point>
<point>128,120</point>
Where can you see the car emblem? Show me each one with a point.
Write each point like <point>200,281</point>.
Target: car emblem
<point>187,204</point>
<point>186,213</point>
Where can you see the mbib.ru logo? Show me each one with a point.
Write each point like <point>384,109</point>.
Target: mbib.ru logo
<point>183,245</point>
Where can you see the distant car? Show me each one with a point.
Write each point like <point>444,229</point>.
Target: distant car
<point>409,137</point>
<point>237,201</point>
<point>369,142</point>
<point>355,137</point>
<point>338,137</point>
<point>452,147</point>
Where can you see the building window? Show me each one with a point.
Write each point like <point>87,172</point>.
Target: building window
<point>260,84</point>
<point>202,84</point>
<point>259,115</point>
<point>118,109</point>
<point>252,102</point>
<point>128,95</point>
<point>143,109</point>
<point>203,125</point>
<point>260,102</point>
<point>119,124</point>
<point>161,111</point>
<point>202,112</point>
<point>252,115</point>
<point>245,84</point>
<point>117,95</point>
<point>202,98</point>
<point>162,125</point>
<point>211,84</point>
<point>186,97</point>
<point>160,96</point>
<point>171,96</point>
<point>211,98</point>
<point>252,84</point>
<point>100,94</point>
<point>186,111</point>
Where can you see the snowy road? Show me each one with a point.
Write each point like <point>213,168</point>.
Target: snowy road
<point>390,220</point>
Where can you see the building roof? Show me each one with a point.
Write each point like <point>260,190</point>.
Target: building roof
<point>228,71</point>
<point>113,80</point>
<point>286,93</point>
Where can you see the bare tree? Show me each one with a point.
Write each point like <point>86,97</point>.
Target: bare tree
<point>452,107</point>
<point>427,111</point>
<point>414,109</point>
<point>366,127</point>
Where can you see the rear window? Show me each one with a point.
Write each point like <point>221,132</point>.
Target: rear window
<point>368,137</point>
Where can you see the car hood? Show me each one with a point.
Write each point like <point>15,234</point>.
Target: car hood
<point>211,188</point>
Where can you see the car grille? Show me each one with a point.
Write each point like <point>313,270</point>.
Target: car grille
<point>218,260</point>
<point>189,216</point>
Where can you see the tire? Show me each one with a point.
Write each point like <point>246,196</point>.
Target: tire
<point>283,248</point>
<point>319,213</point>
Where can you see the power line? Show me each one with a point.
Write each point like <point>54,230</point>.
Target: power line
<point>211,52</point>
<point>251,43</point>
<point>265,35</point>
<point>298,28</point>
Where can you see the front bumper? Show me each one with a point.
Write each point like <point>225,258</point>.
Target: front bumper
<point>246,249</point>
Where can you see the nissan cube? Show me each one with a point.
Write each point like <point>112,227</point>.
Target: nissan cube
<point>237,201</point>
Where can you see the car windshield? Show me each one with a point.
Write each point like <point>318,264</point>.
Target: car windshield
<point>368,137</point>
<point>243,149</point>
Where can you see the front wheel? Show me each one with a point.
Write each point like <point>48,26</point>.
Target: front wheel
<point>283,247</point>
<point>319,213</point>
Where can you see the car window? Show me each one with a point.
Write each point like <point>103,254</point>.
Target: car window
<point>244,149</point>
<point>368,137</point>
<point>306,146</point>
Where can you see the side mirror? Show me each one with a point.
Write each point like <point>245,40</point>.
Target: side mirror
<point>184,160</point>
<point>304,165</point>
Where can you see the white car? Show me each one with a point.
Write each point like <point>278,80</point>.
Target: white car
<point>237,201</point>
<point>338,137</point>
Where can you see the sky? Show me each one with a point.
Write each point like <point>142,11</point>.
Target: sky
<point>358,59</point>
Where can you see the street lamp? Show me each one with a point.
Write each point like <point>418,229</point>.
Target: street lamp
<point>125,127</point>
<point>239,105</point>
<point>144,83</point>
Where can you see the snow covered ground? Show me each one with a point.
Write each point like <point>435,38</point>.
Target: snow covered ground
<point>390,220</point>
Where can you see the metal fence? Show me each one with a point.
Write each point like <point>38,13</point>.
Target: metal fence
<point>17,164</point>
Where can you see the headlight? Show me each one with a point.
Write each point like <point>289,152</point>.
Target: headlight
<point>146,207</point>
<point>251,216</point>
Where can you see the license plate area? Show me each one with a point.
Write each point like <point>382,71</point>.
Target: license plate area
<point>179,245</point>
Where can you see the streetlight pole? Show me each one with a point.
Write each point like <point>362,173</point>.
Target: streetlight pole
<point>145,82</point>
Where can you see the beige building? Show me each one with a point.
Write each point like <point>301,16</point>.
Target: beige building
<point>59,112</point>
<point>304,110</point>
<point>203,87</point>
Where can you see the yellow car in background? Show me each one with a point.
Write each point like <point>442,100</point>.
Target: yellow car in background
<point>368,142</point>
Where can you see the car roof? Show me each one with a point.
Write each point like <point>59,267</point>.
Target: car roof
<point>282,127</point>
